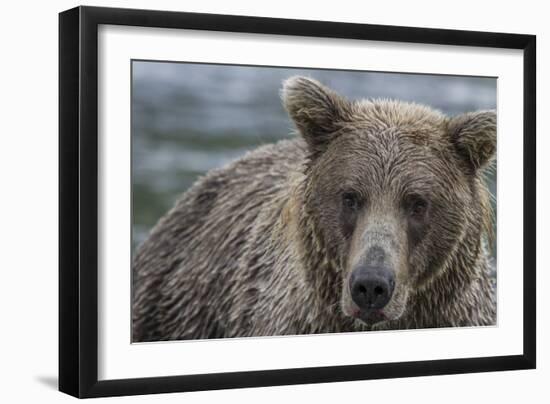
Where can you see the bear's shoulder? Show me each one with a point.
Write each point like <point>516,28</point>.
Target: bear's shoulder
<point>237,189</point>
<point>263,168</point>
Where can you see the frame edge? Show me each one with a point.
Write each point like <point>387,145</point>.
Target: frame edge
<point>529,202</point>
<point>69,82</point>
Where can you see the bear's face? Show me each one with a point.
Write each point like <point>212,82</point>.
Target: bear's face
<point>388,185</point>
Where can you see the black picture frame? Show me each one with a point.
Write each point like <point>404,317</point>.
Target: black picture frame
<point>78,201</point>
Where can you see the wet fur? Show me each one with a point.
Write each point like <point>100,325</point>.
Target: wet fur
<point>251,250</point>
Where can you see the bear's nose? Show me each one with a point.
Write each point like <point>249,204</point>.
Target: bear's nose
<point>371,288</point>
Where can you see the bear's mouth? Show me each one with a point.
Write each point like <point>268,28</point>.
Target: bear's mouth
<point>370,316</point>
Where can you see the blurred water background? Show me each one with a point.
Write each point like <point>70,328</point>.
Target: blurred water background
<point>189,118</point>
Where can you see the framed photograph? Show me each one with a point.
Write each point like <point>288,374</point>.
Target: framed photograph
<point>251,201</point>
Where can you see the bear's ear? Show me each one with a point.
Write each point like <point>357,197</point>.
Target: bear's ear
<point>317,111</point>
<point>474,135</point>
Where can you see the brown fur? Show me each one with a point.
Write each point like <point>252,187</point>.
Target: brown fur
<point>260,247</point>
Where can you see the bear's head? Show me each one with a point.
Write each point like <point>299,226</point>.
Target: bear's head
<point>395,193</point>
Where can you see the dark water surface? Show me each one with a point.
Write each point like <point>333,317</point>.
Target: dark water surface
<point>189,118</point>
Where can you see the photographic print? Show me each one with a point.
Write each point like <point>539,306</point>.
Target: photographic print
<point>270,201</point>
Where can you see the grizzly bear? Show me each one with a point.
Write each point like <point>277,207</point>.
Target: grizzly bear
<point>375,217</point>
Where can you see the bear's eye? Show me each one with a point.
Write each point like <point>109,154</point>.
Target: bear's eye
<point>417,206</point>
<point>350,200</point>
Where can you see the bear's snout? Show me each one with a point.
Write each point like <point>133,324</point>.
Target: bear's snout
<point>371,287</point>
